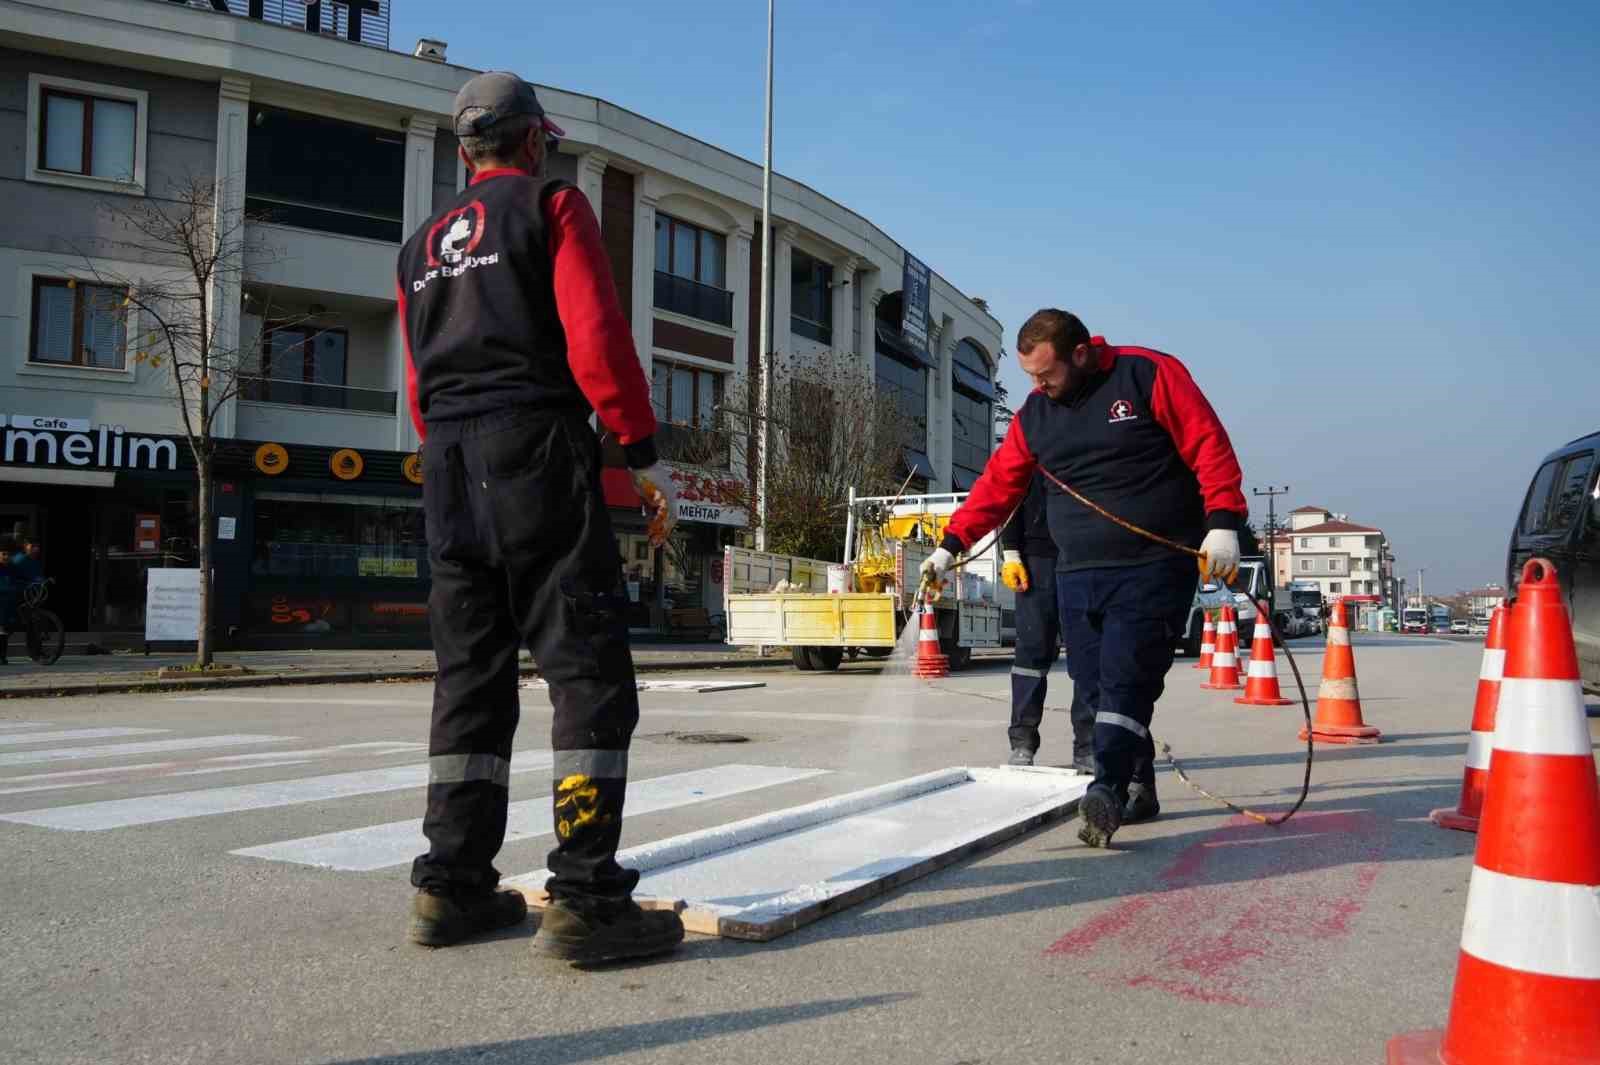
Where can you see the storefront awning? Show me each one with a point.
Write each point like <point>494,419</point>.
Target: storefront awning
<point>56,475</point>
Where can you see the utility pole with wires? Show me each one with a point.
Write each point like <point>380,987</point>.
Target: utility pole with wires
<point>764,342</point>
<point>1272,495</point>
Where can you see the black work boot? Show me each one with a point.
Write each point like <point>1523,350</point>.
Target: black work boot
<point>1101,814</point>
<point>1083,763</point>
<point>440,920</point>
<point>1142,804</point>
<point>1020,756</point>
<point>587,934</point>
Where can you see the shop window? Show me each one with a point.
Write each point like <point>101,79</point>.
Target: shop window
<point>78,324</point>
<point>810,297</point>
<point>310,535</point>
<point>906,386</point>
<point>324,174</point>
<point>87,135</point>
<point>972,412</point>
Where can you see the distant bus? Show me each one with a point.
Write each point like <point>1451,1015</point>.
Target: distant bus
<point>1414,619</point>
<point>1439,617</point>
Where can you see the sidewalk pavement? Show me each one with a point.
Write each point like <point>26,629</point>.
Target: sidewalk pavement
<point>98,674</point>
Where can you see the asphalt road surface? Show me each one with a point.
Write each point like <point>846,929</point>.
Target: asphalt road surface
<point>222,878</point>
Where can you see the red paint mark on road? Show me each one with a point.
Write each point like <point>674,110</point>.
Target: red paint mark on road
<point>1238,911</point>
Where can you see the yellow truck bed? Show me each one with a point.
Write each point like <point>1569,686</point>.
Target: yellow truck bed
<point>778,619</point>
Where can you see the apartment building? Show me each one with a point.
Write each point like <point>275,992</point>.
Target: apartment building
<point>335,146</point>
<point>1347,561</point>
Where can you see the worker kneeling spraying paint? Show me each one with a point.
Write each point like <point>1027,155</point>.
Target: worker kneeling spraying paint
<point>1130,426</point>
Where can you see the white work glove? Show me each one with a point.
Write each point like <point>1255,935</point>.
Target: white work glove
<point>1219,556</point>
<point>1013,573</point>
<point>935,566</point>
<point>659,494</point>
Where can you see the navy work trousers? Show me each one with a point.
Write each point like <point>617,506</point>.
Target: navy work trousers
<point>1038,647</point>
<point>522,552</point>
<point>1120,625</point>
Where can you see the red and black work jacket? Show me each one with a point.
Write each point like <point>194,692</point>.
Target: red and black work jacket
<point>507,302</point>
<point>1138,438</point>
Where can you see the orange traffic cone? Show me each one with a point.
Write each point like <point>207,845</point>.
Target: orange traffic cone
<point>931,662</point>
<point>1225,661</point>
<point>1338,717</point>
<point>1528,976</point>
<point>1208,642</point>
<point>1475,779</point>
<point>1261,684</point>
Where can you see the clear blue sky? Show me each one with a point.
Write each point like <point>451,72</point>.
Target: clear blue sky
<point>1370,230</point>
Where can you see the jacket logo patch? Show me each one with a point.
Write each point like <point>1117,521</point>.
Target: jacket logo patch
<point>456,235</point>
<point>1121,411</point>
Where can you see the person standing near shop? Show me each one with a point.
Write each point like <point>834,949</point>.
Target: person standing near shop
<point>1129,428</point>
<point>1029,570</point>
<point>514,335</point>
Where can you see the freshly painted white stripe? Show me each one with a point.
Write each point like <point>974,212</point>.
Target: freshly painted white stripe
<point>1541,717</point>
<point>1480,745</point>
<point>1262,667</point>
<point>178,805</point>
<point>1494,664</point>
<point>395,843</point>
<point>1339,637</point>
<point>305,700</point>
<point>102,771</point>
<point>123,750</point>
<point>1533,926</point>
<point>379,750</point>
<point>74,734</point>
<point>1108,718</point>
<point>6,726</point>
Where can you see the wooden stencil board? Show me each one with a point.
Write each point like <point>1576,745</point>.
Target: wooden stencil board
<point>762,877</point>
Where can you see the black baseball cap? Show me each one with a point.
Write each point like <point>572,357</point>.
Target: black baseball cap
<point>489,98</point>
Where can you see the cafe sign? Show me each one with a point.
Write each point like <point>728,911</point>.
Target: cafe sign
<point>705,498</point>
<point>37,440</point>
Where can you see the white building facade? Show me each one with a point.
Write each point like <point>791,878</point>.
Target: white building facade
<point>336,151</point>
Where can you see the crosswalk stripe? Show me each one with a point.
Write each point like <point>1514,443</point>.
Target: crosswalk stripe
<point>179,805</point>
<point>62,774</point>
<point>70,735</point>
<point>48,787</point>
<point>239,768</point>
<point>395,843</point>
<point>7,726</point>
<point>124,750</point>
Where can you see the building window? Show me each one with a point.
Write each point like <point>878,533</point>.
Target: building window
<point>691,271</point>
<point>1333,565</point>
<point>686,399</point>
<point>810,297</point>
<point>1305,543</point>
<point>324,174</point>
<point>907,386</point>
<point>76,324</point>
<point>1335,587</point>
<point>972,414</point>
<point>305,353</point>
<point>86,134</point>
<point>1305,565</point>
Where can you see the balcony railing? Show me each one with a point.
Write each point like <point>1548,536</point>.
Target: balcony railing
<point>709,448</point>
<point>307,394</point>
<point>684,296</point>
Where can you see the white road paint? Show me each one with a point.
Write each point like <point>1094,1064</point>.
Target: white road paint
<point>102,771</point>
<point>125,750</point>
<point>6,726</point>
<point>237,768</point>
<point>75,734</point>
<point>382,846</point>
<point>48,787</point>
<point>179,805</point>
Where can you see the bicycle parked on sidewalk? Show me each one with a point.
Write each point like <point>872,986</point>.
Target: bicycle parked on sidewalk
<point>42,632</point>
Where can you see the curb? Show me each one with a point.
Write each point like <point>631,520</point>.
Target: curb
<point>263,680</point>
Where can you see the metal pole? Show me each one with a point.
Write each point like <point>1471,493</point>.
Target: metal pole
<point>1272,495</point>
<point>764,341</point>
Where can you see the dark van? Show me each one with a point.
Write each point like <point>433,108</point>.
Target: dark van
<point>1560,520</point>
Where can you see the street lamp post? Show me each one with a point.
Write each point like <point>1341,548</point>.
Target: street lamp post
<point>764,341</point>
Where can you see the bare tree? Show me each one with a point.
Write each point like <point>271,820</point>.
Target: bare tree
<point>830,431</point>
<point>192,252</point>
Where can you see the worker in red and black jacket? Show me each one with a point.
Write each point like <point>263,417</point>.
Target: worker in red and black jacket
<point>515,336</point>
<point>1128,428</point>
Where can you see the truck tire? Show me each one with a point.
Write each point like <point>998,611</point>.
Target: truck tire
<point>825,659</point>
<point>960,658</point>
<point>801,659</point>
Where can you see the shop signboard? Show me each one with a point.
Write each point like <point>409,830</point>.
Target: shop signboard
<point>172,605</point>
<point>370,566</point>
<point>31,440</point>
<point>914,282</point>
<point>705,498</point>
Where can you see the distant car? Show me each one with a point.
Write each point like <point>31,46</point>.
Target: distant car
<point>1478,627</point>
<point>1460,627</point>
<point>1560,521</point>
